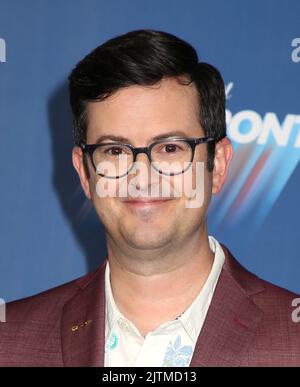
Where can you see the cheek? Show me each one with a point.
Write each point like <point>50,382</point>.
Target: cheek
<point>107,211</point>
<point>195,181</point>
<point>103,188</point>
<point>207,184</point>
<point>92,184</point>
<point>102,198</point>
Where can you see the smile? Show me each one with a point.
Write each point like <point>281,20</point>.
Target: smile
<point>147,202</point>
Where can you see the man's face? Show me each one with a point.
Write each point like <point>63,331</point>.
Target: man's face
<point>140,114</point>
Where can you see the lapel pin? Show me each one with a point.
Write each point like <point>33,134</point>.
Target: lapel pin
<point>76,327</point>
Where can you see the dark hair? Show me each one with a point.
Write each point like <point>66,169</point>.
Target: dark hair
<point>144,57</point>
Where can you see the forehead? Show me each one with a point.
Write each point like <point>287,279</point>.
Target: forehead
<point>136,110</point>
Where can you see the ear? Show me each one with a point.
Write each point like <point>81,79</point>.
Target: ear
<point>77,159</point>
<point>223,156</point>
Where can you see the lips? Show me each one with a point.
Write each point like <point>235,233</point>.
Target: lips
<point>146,201</point>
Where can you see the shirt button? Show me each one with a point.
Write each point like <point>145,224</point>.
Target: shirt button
<point>124,324</point>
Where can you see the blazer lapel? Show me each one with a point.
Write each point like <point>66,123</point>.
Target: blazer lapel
<point>83,323</point>
<point>227,332</point>
<point>232,318</point>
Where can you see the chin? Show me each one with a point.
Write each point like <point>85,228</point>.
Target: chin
<point>146,242</point>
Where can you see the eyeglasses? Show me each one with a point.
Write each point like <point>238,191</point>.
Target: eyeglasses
<point>171,156</point>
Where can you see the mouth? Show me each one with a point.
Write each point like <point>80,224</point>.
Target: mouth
<point>146,202</point>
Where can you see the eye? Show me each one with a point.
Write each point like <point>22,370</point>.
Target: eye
<point>172,147</point>
<point>115,150</point>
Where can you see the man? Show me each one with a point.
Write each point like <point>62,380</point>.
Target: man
<point>168,294</point>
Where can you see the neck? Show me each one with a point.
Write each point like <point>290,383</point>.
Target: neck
<point>152,291</point>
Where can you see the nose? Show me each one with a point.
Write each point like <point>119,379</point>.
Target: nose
<point>141,178</point>
<point>142,157</point>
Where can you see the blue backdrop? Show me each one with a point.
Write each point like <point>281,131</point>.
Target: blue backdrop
<point>49,235</point>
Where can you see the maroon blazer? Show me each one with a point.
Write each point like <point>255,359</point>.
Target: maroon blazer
<point>248,323</point>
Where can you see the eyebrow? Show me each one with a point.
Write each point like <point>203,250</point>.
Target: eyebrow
<point>175,133</point>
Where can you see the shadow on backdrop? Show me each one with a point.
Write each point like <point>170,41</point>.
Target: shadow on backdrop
<point>79,212</point>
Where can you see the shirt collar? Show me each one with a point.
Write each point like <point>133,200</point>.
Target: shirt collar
<point>193,317</point>
<point>112,314</point>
